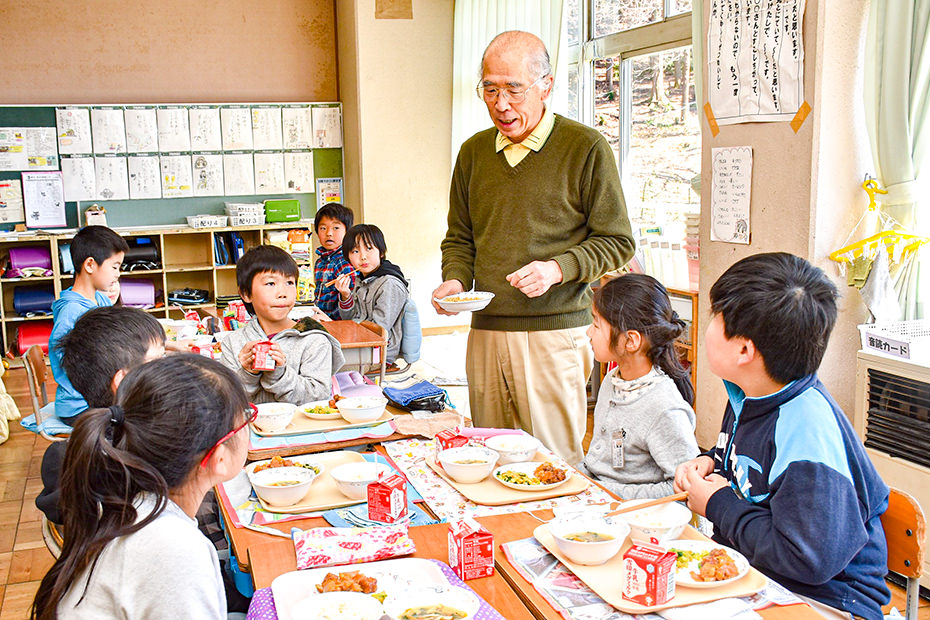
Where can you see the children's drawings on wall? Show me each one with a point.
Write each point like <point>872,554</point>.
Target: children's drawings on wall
<point>205,128</point>
<point>108,130</point>
<point>173,129</point>
<point>269,173</point>
<point>73,130</point>
<point>79,178</point>
<point>208,174</point>
<point>730,193</point>
<point>141,129</point>
<point>238,174</point>
<point>237,128</point>
<point>266,128</point>
<point>327,127</point>
<point>144,177</point>
<point>297,127</point>
<point>11,201</point>
<point>298,172</point>
<point>755,60</point>
<point>43,200</point>
<point>176,179</point>
<point>112,177</point>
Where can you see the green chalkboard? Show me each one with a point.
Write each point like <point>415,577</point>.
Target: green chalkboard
<point>327,163</point>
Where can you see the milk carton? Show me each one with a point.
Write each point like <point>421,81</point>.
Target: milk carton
<point>263,359</point>
<point>471,549</point>
<point>387,499</point>
<point>648,575</point>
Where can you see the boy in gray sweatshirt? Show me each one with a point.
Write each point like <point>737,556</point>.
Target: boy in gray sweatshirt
<point>305,355</point>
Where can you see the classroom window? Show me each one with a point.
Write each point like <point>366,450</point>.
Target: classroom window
<point>637,89</point>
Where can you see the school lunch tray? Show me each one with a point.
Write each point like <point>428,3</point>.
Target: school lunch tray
<point>393,575</point>
<point>604,578</point>
<point>490,492</point>
<point>323,494</point>
<point>302,425</point>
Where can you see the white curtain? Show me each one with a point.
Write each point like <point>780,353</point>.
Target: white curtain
<point>476,23</point>
<point>897,101</point>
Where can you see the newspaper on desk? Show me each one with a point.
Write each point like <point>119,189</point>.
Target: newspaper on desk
<point>447,503</point>
<point>573,600</point>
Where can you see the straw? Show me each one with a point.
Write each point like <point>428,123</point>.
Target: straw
<point>677,497</point>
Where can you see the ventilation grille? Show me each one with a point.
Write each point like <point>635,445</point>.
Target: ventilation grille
<point>898,420</point>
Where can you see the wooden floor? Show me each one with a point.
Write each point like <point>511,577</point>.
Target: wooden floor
<point>23,556</point>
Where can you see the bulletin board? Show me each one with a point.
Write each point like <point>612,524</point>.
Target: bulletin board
<point>154,164</point>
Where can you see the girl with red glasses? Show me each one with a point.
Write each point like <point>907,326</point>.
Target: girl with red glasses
<point>134,475</point>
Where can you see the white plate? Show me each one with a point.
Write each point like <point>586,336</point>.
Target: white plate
<point>394,577</point>
<point>448,304</point>
<point>335,415</point>
<point>528,468</point>
<point>683,575</point>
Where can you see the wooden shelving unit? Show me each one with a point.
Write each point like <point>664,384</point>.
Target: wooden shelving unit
<point>186,256</point>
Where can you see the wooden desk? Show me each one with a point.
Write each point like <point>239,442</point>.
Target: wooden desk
<point>273,558</point>
<point>352,335</point>
<point>520,525</point>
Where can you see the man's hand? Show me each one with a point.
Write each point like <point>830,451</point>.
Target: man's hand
<point>535,279</point>
<point>247,356</point>
<point>702,466</point>
<point>701,488</point>
<point>449,287</point>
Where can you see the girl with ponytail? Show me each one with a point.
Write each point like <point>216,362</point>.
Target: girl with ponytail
<point>134,475</point>
<point>643,420</point>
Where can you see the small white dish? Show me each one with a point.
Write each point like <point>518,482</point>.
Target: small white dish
<point>360,409</point>
<point>338,606</point>
<point>274,417</point>
<point>683,575</point>
<point>352,479</point>
<point>656,524</point>
<point>513,448</point>
<point>612,534</point>
<point>529,469</point>
<point>453,597</point>
<point>319,415</point>
<point>469,301</point>
<point>468,464</point>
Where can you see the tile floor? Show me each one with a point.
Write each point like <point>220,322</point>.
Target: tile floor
<point>23,556</point>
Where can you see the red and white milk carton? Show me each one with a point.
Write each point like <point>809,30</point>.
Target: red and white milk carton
<point>387,499</point>
<point>263,359</point>
<point>648,575</point>
<point>449,438</point>
<point>471,549</point>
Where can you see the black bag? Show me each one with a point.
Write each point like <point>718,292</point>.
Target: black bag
<point>142,254</point>
<point>188,296</point>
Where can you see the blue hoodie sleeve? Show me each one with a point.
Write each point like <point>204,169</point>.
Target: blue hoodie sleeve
<point>811,504</point>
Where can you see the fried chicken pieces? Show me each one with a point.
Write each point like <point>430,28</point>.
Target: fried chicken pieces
<point>547,473</point>
<point>716,566</point>
<point>351,581</point>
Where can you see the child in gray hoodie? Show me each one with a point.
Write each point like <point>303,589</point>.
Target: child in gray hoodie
<point>306,356</point>
<point>381,291</point>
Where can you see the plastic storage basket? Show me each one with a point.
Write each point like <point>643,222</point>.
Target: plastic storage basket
<point>909,340</point>
<point>207,221</point>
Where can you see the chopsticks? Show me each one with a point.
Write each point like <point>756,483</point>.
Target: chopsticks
<point>677,497</point>
<point>333,281</point>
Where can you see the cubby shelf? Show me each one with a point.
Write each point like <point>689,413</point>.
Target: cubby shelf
<point>186,253</point>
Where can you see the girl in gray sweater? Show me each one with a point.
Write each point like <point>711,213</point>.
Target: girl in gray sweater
<point>643,420</point>
<point>381,290</point>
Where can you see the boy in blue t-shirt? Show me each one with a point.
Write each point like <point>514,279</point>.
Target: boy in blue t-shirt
<point>331,223</point>
<point>97,254</point>
<point>788,484</point>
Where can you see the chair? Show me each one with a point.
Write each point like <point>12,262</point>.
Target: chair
<point>904,527</point>
<point>36,377</point>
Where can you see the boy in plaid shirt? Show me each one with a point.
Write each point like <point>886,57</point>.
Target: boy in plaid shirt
<point>331,223</point>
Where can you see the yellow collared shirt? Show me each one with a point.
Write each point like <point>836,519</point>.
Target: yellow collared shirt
<point>515,152</point>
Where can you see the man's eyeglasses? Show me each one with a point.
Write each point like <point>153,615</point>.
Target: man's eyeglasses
<point>250,415</point>
<point>490,92</point>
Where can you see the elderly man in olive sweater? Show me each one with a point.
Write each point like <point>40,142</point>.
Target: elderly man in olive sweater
<point>536,214</point>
